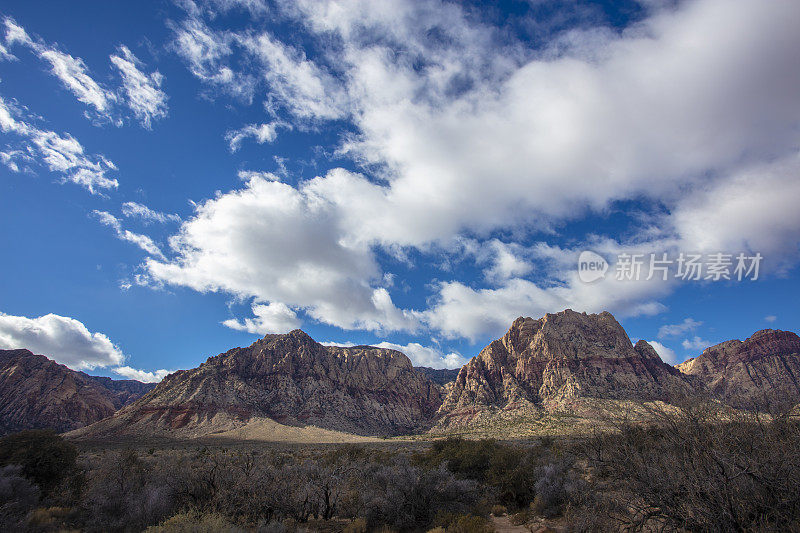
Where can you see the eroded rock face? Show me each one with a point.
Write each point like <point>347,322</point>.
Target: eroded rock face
<point>37,393</point>
<point>560,357</point>
<point>762,370</point>
<point>288,378</point>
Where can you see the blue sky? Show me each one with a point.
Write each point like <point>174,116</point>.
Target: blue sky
<point>178,178</point>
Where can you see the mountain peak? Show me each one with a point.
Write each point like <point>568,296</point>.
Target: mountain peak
<point>559,357</point>
<point>291,379</point>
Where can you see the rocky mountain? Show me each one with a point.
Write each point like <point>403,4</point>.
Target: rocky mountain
<point>559,358</point>
<point>36,392</point>
<point>763,369</point>
<point>440,376</point>
<point>289,379</point>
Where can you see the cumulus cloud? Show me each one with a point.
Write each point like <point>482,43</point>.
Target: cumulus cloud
<point>471,138</point>
<point>63,339</point>
<point>676,330</point>
<point>425,355</point>
<point>142,241</point>
<point>419,354</point>
<point>273,317</point>
<point>142,92</point>
<point>506,261</point>
<point>147,215</point>
<point>770,318</point>
<point>274,242</point>
<point>666,354</point>
<point>60,153</point>
<point>141,375</point>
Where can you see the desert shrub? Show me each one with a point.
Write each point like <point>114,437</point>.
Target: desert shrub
<point>687,470</point>
<point>509,471</point>
<point>126,494</point>
<point>46,458</point>
<point>17,497</point>
<point>195,522</point>
<point>405,497</point>
<point>556,485</point>
<point>469,524</point>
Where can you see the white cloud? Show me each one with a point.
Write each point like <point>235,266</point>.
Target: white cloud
<point>142,241</point>
<point>60,153</point>
<point>141,375</point>
<point>751,210</point>
<point>216,7</point>
<point>71,71</point>
<point>274,317</point>
<point>506,262</point>
<point>770,318</point>
<point>262,133</point>
<point>676,330</point>
<point>207,53</point>
<point>695,343</point>
<point>420,355</point>
<point>666,354</point>
<point>147,215</point>
<point>63,339</point>
<point>142,92</point>
<point>247,175</point>
<point>425,355</point>
<point>471,138</point>
<point>273,242</point>
<point>295,82</point>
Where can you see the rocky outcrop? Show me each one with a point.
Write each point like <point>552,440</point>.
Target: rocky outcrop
<point>290,379</point>
<point>37,393</point>
<point>559,358</point>
<point>763,370</point>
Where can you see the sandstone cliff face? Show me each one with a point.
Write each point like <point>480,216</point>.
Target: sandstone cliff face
<point>561,357</point>
<point>764,369</point>
<point>37,393</point>
<point>290,379</point>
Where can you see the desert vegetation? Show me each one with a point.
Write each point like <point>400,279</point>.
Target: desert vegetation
<point>680,471</point>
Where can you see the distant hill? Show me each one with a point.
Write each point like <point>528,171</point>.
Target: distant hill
<point>38,393</point>
<point>440,376</point>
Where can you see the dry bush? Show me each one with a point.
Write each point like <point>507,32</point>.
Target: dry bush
<point>17,497</point>
<point>696,468</point>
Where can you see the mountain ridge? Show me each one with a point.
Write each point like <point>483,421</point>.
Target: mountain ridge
<point>38,393</point>
<point>291,379</point>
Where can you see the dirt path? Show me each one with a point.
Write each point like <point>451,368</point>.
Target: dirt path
<point>502,524</point>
